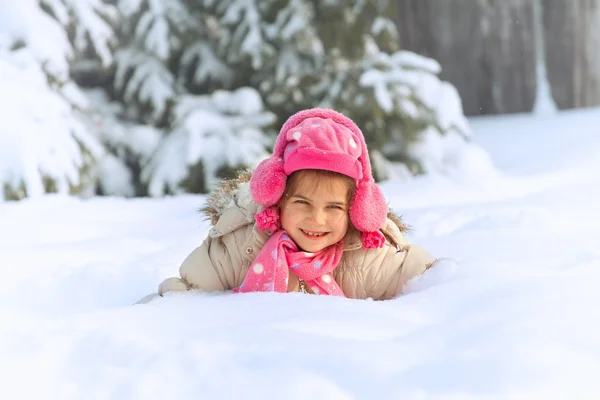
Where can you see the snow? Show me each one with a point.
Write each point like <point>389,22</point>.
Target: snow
<point>513,316</point>
<point>92,26</point>
<point>151,82</point>
<point>382,25</point>
<point>115,178</point>
<point>245,16</point>
<point>449,155</point>
<point>417,61</point>
<point>142,71</point>
<point>40,136</point>
<point>23,21</point>
<point>155,30</point>
<point>209,66</point>
<point>405,74</point>
<point>221,129</point>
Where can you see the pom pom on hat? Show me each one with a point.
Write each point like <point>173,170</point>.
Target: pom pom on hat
<point>268,181</point>
<point>368,210</point>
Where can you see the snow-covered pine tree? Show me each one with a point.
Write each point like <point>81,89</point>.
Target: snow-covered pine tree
<point>341,31</point>
<point>267,39</point>
<point>395,96</point>
<point>207,130</point>
<point>171,84</point>
<point>133,104</point>
<point>297,54</point>
<point>425,126</point>
<point>46,139</point>
<point>128,146</point>
<point>151,37</point>
<point>169,49</point>
<point>270,45</point>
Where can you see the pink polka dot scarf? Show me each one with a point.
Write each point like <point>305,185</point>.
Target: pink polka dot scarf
<point>270,270</point>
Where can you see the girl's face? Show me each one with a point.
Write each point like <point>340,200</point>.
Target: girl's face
<point>315,214</point>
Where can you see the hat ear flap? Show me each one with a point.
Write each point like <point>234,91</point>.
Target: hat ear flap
<point>368,211</point>
<point>268,180</point>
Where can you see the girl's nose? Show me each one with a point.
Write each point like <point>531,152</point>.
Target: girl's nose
<point>319,216</point>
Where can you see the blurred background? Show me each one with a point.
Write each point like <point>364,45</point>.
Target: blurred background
<point>160,97</point>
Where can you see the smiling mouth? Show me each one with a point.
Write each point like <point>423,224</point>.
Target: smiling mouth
<point>312,234</point>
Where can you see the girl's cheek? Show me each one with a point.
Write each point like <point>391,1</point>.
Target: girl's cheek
<point>340,221</point>
<point>291,213</point>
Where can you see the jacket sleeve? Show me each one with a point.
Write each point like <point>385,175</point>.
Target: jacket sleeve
<point>199,269</point>
<point>203,269</point>
<point>219,264</point>
<point>386,278</point>
<point>196,272</point>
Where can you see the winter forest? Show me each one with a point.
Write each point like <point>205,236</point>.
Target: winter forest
<point>148,98</point>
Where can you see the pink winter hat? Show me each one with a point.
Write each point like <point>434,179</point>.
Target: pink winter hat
<point>322,139</point>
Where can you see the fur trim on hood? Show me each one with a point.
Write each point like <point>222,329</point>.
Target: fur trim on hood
<point>223,197</point>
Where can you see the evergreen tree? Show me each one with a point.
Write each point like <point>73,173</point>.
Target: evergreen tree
<point>46,136</point>
<point>201,145</point>
<point>296,54</point>
<point>152,34</point>
<point>394,96</point>
<point>266,40</point>
<point>165,68</point>
<point>188,78</point>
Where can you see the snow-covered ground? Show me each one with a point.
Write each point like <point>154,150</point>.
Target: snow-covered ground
<point>516,318</point>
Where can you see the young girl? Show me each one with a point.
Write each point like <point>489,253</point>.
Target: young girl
<point>309,219</point>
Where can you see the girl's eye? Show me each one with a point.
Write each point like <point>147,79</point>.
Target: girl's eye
<point>336,207</point>
<point>301,201</point>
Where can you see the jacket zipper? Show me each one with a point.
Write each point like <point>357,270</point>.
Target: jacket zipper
<point>302,286</point>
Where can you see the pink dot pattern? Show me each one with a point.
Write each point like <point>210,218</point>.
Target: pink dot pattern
<point>270,270</point>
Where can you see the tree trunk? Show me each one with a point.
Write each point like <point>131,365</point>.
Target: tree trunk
<point>572,35</point>
<point>486,48</point>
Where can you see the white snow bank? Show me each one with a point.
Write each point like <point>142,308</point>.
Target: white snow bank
<point>515,318</point>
